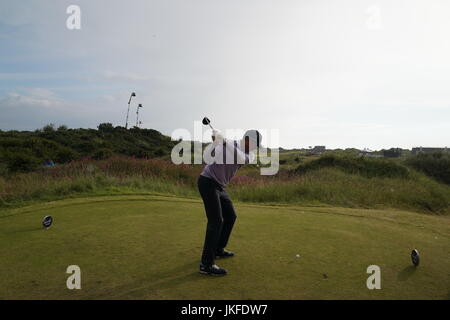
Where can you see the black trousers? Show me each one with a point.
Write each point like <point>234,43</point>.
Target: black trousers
<point>221,217</point>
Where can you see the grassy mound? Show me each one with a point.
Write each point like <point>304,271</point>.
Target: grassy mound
<point>367,167</point>
<point>435,165</point>
<point>334,187</point>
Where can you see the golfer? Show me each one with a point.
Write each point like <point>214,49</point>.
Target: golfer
<point>229,156</point>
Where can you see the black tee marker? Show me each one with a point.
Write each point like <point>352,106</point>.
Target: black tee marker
<point>415,257</point>
<point>47,222</point>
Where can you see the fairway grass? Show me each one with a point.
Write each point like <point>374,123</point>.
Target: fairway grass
<point>148,247</point>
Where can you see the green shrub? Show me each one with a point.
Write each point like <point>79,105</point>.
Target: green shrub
<point>49,128</point>
<point>22,161</point>
<point>435,165</point>
<point>64,145</point>
<point>42,148</point>
<point>105,127</point>
<point>102,154</point>
<point>3,168</point>
<point>160,152</point>
<point>64,154</point>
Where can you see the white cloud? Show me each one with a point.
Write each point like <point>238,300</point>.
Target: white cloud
<point>34,97</point>
<point>35,107</point>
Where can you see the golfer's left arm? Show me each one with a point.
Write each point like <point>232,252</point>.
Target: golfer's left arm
<point>242,157</point>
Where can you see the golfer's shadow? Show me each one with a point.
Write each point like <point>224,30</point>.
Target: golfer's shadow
<point>31,229</point>
<point>406,273</point>
<point>169,279</point>
<point>167,276</point>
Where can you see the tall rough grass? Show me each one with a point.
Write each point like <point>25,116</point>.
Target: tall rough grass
<point>366,167</point>
<point>318,184</point>
<point>87,176</point>
<point>335,187</point>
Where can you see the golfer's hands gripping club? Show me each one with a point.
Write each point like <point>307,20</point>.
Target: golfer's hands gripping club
<point>217,134</point>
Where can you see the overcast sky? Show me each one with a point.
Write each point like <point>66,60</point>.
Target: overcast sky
<point>350,73</point>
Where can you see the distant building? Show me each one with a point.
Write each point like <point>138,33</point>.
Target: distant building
<point>392,153</point>
<point>318,150</point>
<point>418,150</point>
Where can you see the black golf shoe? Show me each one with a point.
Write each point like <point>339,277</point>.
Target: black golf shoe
<point>213,270</point>
<point>224,254</point>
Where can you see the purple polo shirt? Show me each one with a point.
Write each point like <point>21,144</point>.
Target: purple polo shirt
<point>229,158</point>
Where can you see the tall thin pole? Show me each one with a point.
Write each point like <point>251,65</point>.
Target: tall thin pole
<point>137,114</point>
<point>128,112</point>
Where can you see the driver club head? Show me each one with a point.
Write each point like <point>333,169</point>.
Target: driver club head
<point>207,122</point>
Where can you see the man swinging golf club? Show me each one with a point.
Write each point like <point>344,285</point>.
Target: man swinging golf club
<point>229,156</point>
